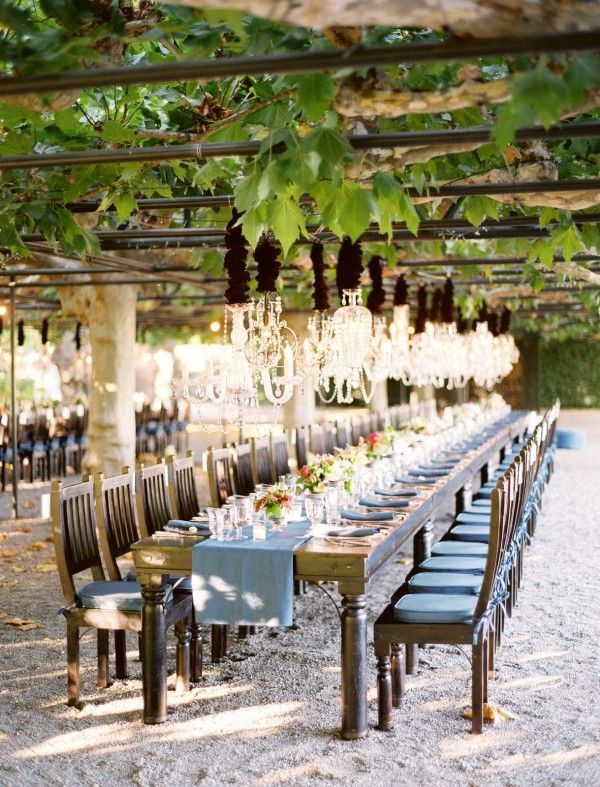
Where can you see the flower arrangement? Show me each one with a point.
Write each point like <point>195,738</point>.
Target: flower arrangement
<point>378,443</point>
<point>313,475</point>
<point>274,501</point>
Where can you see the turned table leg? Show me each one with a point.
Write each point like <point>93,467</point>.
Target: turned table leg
<point>154,646</point>
<point>354,666</point>
<point>464,498</point>
<point>384,687</point>
<point>422,543</point>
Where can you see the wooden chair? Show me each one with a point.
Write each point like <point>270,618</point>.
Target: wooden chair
<point>220,475</point>
<point>104,605</point>
<point>328,438</point>
<point>183,495</point>
<point>152,498</point>
<point>262,467</point>
<point>118,530</point>
<point>242,463</point>
<point>342,434</point>
<point>301,447</point>
<point>316,439</point>
<point>470,627</point>
<point>280,455</point>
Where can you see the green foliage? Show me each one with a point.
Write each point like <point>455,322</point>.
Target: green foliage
<point>570,370</point>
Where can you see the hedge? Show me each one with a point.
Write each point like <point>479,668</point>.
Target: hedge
<point>570,369</point>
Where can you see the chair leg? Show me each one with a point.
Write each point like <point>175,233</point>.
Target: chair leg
<point>477,689</point>
<point>412,658</point>
<point>384,688</point>
<point>243,632</point>
<point>485,668</point>
<point>182,630</point>
<point>398,675</point>
<point>492,656</point>
<point>140,646</point>
<point>120,655</point>
<point>103,681</point>
<point>219,642</point>
<point>195,649</point>
<point>73,665</point>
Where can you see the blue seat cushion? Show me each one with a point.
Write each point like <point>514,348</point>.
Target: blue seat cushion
<point>462,548</point>
<point>570,438</point>
<point>121,595</point>
<point>485,493</point>
<point>465,565</point>
<point>473,518</point>
<point>478,533</point>
<point>479,505</point>
<point>445,582</point>
<point>435,608</point>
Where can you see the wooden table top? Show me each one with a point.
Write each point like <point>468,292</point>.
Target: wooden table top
<point>320,560</point>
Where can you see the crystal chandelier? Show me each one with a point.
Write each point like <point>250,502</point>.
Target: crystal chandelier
<point>270,348</point>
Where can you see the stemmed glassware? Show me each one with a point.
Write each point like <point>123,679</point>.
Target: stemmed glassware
<point>315,508</point>
<point>332,499</point>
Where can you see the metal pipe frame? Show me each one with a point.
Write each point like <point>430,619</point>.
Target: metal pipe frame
<point>186,152</point>
<point>299,63</point>
<point>445,191</point>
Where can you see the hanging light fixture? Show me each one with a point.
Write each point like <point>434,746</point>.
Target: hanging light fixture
<point>400,333</point>
<point>271,345</point>
<point>316,347</point>
<point>453,348</point>
<point>378,361</point>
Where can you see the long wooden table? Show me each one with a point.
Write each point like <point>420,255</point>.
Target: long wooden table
<point>352,567</point>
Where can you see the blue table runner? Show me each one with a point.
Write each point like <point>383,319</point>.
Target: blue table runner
<point>247,582</point>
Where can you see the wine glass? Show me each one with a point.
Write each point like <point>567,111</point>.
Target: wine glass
<point>332,501</point>
<point>315,507</point>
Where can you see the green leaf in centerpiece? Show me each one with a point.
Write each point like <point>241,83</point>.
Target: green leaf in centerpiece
<point>315,93</point>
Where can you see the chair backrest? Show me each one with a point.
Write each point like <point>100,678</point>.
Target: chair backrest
<point>365,425</point>
<point>220,475</point>
<point>244,476</point>
<point>280,455</point>
<point>355,431</point>
<point>498,526</point>
<point>328,438</point>
<point>374,422</point>
<point>301,447</point>
<point>316,439</point>
<point>261,461</point>
<point>342,434</point>
<point>183,495</point>
<point>75,535</point>
<point>116,517</point>
<point>152,498</point>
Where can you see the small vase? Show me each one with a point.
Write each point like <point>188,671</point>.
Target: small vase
<point>278,521</point>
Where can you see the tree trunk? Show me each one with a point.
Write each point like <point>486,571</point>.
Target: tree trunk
<point>110,313</point>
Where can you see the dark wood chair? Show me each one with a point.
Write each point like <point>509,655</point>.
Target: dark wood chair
<point>301,446</point>
<point>118,530</point>
<point>316,439</point>
<point>104,605</point>
<point>342,434</point>
<point>472,626</point>
<point>328,438</point>
<point>219,466</point>
<point>355,431</point>
<point>152,498</point>
<point>280,455</point>
<point>262,466</point>
<point>242,462</point>
<point>183,494</point>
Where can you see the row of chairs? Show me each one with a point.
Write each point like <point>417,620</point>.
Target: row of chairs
<point>49,443</point>
<point>95,522</point>
<point>157,429</point>
<point>237,468</point>
<point>463,593</point>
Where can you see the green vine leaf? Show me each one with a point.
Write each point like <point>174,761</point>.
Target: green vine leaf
<point>286,220</point>
<point>315,93</point>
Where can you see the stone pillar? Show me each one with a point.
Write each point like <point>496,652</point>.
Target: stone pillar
<point>110,313</point>
<point>301,409</point>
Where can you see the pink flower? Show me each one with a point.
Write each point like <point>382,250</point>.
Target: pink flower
<point>373,438</point>
<point>304,471</point>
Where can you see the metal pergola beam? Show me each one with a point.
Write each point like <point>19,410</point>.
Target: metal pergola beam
<point>299,63</point>
<point>186,152</point>
<point>445,191</point>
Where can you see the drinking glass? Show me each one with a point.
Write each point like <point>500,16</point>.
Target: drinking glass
<point>315,507</point>
<point>332,499</point>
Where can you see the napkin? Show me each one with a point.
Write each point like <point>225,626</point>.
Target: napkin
<point>182,524</point>
<point>353,532</point>
<point>428,473</point>
<point>394,492</point>
<point>366,516</point>
<point>415,480</point>
<point>390,503</point>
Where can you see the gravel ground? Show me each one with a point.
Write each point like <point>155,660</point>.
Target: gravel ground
<point>269,714</point>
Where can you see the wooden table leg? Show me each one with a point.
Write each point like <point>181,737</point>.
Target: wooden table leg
<point>422,543</point>
<point>464,498</point>
<point>354,666</point>
<point>154,646</point>
<point>485,473</point>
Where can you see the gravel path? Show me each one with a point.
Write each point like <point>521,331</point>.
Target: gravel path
<point>269,714</point>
